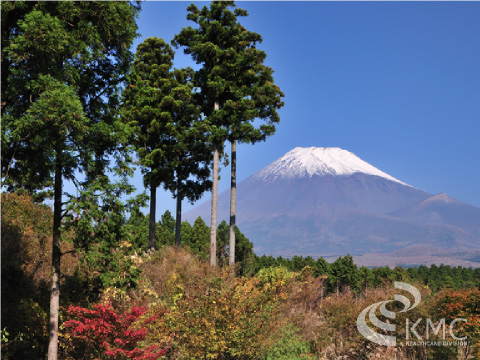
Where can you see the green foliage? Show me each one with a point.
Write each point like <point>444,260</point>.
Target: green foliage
<point>321,267</point>
<point>190,155</point>
<point>296,263</point>
<point>243,249</point>
<point>5,335</point>
<point>165,230</point>
<point>274,277</point>
<point>343,273</point>
<point>147,108</point>
<point>138,225</point>
<point>367,278</point>
<point>232,73</point>
<point>61,81</point>
<point>102,235</point>
<point>290,346</point>
<point>167,133</point>
<point>199,239</point>
<point>51,130</point>
<point>186,230</point>
<point>222,243</point>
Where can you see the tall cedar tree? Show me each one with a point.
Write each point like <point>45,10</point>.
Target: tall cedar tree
<point>62,64</point>
<point>168,137</point>
<point>190,156</point>
<point>147,106</point>
<point>235,86</point>
<point>255,96</point>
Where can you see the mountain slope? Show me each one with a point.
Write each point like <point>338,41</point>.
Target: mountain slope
<point>441,209</point>
<point>328,202</point>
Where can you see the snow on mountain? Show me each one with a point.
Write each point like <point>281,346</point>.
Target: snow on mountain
<point>306,162</point>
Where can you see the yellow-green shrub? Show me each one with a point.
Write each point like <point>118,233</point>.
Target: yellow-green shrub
<point>210,313</point>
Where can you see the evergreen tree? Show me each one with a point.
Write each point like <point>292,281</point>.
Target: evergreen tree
<point>243,252</point>
<point>423,273</point>
<point>367,278</point>
<point>227,54</point>
<point>254,96</point>
<point>186,231</point>
<point>400,274</point>
<point>138,223</point>
<point>190,154</point>
<point>168,135</point>
<point>321,267</point>
<point>62,64</point>
<point>165,229</point>
<point>413,273</point>
<point>382,275</point>
<point>147,110</point>
<point>298,263</point>
<point>200,238</point>
<point>344,273</point>
<point>222,241</point>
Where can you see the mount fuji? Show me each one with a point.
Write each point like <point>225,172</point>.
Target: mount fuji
<point>328,202</point>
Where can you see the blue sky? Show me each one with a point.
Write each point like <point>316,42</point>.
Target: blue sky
<point>396,83</point>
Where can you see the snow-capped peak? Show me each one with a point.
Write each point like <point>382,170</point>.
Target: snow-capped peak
<point>302,162</point>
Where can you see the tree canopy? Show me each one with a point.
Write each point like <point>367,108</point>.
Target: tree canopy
<point>77,44</point>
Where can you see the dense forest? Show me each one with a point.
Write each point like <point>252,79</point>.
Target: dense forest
<point>92,276</point>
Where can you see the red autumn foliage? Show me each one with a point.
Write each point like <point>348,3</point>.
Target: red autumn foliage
<point>114,334</point>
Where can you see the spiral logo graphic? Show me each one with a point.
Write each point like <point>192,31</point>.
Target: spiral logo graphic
<point>371,310</point>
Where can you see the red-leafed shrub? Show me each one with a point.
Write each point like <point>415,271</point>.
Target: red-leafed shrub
<point>103,333</point>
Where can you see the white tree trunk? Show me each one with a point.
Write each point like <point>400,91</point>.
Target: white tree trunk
<point>213,224</point>
<point>56,255</point>
<point>151,221</point>
<point>233,203</point>
<point>178,217</point>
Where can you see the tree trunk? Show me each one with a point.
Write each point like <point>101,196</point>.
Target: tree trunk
<point>178,218</point>
<point>56,255</point>
<point>233,203</point>
<point>213,225</point>
<point>213,222</point>
<point>153,207</point>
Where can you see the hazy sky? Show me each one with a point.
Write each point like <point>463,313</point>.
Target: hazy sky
<point>396,83</point>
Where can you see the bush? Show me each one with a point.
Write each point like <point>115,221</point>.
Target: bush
<point>209,312</point>
<point>289,346</point>
<point>106,333</point>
